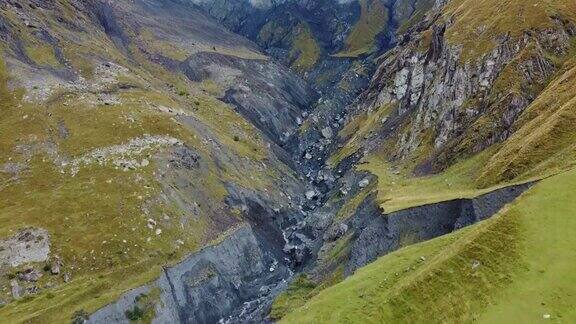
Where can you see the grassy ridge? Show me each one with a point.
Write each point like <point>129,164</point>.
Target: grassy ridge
<point>398,190</point>
<point>489,273</point>
<point>478,23</point>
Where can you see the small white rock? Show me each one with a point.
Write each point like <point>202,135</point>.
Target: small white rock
<point>364,183</point>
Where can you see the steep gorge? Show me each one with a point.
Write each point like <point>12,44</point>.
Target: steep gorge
<point>286,194</point>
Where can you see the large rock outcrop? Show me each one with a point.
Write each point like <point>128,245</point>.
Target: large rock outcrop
<point>206,287</point>
<point>446,97</point>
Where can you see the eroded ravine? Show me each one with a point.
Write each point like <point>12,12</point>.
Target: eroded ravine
<point>237,279</point>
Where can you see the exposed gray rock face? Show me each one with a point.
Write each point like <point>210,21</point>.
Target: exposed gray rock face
<point>16,290</point>
<point>26,246</point>
<point>267,94</point>
<point>275,26</point>
<point>381,234</point>
<point>208,286</point>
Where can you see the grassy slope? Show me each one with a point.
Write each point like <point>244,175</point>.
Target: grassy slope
<point>373,20</point>
<point>479,22</point>
<point>399,191</point>
<point>545,139</point>
<point>524,269</point>
<point>305,50</point>
<point>90,215</point>
<point>545,124</point>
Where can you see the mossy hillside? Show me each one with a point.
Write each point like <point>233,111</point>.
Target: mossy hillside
<point>399,189</point>
<point>356,130</point>
<point>477,24</point>
<point>300,291</point>
<point>95,219</point>
<point>296,295</point>
<point>373,20</point>
<point>144,311</point>
<point>421,8</point>
<point>42,54</point>
<point>36,50</point>
<point>544,136</point>
<point>103,204</point>
<point>86,293</point>
<point>488,125</point>
<point>305,51</point>
<point>159,46</point>
<point>71,31</point>
<point>272,32</point>
<point>351,205</point>
<point>510,86</point>
<point>486,273</point>
<point>351,292</point>
<point>107,208</point>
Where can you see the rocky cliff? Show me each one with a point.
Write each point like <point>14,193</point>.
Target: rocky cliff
<point>454,87</point>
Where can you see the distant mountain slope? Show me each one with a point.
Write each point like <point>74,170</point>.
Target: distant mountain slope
<point>206,161</point>
<point>307,35</point>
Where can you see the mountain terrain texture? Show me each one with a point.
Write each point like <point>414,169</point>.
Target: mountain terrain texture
<point>295,161</point>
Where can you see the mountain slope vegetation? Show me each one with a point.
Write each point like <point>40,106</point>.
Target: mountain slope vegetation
<point>126,162</point>
<point>516,266</point>
<point>298,161</point>
<point>477,96</point>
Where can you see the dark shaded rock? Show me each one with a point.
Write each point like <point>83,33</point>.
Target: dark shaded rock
<point>30,275</point>
<point>381,234</point>
<point>184,157</point>
<point>210,285</point>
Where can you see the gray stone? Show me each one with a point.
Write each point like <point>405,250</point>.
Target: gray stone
<point>310,194</point>
<point>27,246</point>
<point>15,288</point>
<point>55,267</point>
<point>30,275</point>
<point>327,132</point>
<point>364,183</point>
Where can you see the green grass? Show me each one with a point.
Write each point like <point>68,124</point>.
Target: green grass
<point>296,295</point>
<point>352,204</point>
<point>399,190</point>
<point>90,215</point>
<point>305,50</point>
<point>544,141</point>
<point>477,23</point>
<point>373,20</point>
<point>515,267</point>
<point>356,129</point>
<point>42,54</point>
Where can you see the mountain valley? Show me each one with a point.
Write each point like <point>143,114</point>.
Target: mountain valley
<point>306,161</point>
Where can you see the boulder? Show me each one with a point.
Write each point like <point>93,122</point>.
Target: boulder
<point>364,183</point>
<point>327,132</point>
<point>310,194</point>
<point>30,275</point>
